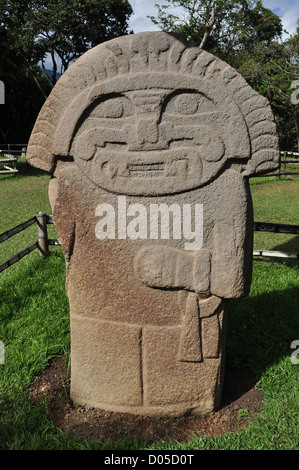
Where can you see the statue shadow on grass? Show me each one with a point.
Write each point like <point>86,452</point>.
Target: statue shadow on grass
<point>261,329</point>
<point>291,246</point>
<point>27,170</point>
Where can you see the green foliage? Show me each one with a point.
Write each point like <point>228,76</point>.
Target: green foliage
<point>23,97</point>
<point>271,69</point>
<point>237,24</point>
<point>59,29</point>
<point>245,34</point>
<point>68,29</point>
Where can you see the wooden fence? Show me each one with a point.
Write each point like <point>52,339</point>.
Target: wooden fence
<point>8,165</point>
<point>10,152</point>
<point>285,158</point>
<point>43,242</point>
<point>15,148</point>
<point>276,228</point>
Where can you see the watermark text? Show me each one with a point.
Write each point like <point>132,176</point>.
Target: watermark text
<point>2,93</point>
<point>295,94</point>
<point>157,221</point>
<point>2,353</point>
<point>295,354</point>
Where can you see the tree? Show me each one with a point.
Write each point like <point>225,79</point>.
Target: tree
<point>29,30</point>
<point>62,29</point>
<point>293,49</point>
<point>270,71</point>
<point>245,34</point>
<point>221,26</point>
<point>23,97</point>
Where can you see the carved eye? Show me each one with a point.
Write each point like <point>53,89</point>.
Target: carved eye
<point>185,104</point>
<point>113,108</point>
<point>188,104</point>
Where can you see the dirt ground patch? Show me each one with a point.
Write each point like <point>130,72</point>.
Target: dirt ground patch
<point>241,400</point>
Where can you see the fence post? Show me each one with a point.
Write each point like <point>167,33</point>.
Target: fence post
<point>285,165</point>
<point>42,232</point>
<point>279,169</point>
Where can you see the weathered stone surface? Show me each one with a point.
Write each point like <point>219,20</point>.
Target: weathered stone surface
<point>150,144</point>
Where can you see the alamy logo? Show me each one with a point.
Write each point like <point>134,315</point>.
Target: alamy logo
<point>159,221</point>
<point>295,354</point>
<point>2,352</point>
<point>295,94</point>
<point>2,93</point>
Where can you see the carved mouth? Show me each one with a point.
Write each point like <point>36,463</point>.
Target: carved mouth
<point>148,165</point>
<point>143,170</point>
<point>149,172</point>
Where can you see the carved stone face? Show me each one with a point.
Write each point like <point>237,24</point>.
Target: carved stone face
<point>146,114</point>
<point>157,136</point>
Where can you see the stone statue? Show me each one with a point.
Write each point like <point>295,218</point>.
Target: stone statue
<point>150,143</point>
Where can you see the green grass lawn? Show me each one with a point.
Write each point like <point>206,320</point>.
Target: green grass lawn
<point>34,326</point>
<point>21,197</point>
<point>277,201</point>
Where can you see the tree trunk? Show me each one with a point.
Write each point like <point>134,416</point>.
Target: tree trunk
<point>208,28</point>
<point>53,79</point>
<point>4,134</point>
<point>36,80</point>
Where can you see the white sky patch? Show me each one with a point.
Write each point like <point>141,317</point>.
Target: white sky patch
<point>287,10</point>
<point>139,21</point>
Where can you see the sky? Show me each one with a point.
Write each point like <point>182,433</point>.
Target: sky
<point>287,10</point>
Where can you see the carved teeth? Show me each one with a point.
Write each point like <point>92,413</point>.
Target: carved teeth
<point>172,168</point>
<point>146,169</point>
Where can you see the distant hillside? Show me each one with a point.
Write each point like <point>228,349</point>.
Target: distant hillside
<point>50,74</point>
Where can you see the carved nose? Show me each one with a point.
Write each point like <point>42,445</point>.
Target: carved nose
<point>147,131</point>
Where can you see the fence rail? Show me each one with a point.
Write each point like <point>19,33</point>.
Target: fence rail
<point>275,254</point>
<point>276,228</point>
<point>14,259</point>
<point>43,242</point>
<point>8,164</point>
<point>8,147</point>
<point>19,228</point>
<point>5,163</point>
<point>283,161</point>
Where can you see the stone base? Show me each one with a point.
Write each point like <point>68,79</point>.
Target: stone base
<point>151,411</point>
<point>134,369</point>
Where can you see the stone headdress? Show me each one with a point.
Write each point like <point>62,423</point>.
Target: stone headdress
<point>251,142</point>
